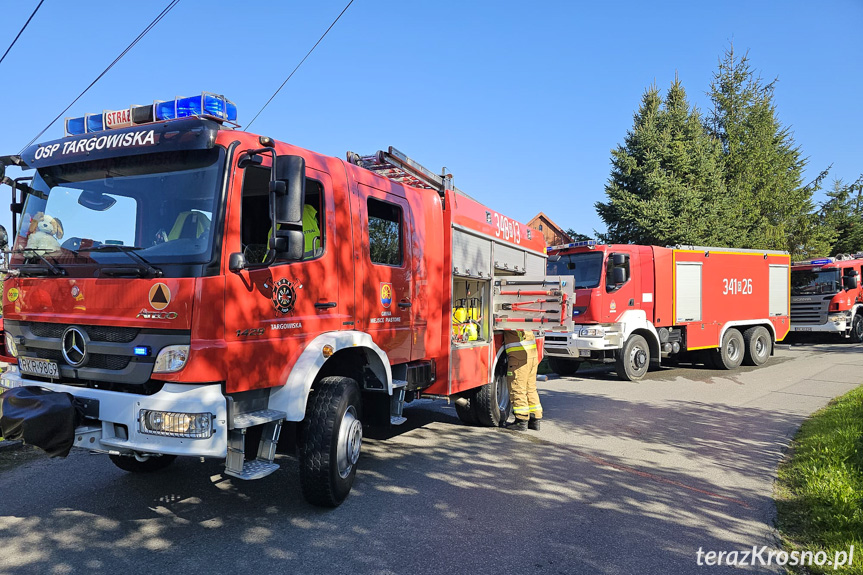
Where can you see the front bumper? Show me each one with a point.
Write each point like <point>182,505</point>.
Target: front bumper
<point>115,429</point>
<point>840,327</point>
<point>573,345</point>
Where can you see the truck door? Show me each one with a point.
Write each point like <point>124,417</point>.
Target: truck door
<point>387,264</point>
<point>276,309</point>
<point>622,285</point>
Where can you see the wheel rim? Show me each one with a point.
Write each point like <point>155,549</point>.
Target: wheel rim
<point>858,329</point>
<point>760,346</point>
<point>502,393</point>
<point>638,358</point>
<point>732,349</point>
<point>350,442</point>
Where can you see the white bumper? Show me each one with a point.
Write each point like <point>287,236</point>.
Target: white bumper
<point>121,409</point>
<point>830,327</point>
<point>576,346</point>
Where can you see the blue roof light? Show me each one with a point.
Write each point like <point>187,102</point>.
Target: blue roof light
<point>165,110</point>
<point>95,122</point>
<point>821,262</point>
<point>75,126</point>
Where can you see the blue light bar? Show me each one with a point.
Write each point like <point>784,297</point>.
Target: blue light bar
<point>95,122</point>
<point>207,105</point>
<point>142,351</point>
<point>588,243</point>
<point>821,262</point>
<point>165,110</point>
<point>75,126</point>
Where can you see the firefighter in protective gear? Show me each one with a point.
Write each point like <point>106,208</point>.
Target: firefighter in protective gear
<point>522,361</point>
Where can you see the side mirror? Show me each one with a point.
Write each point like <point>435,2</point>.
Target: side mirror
<point>849,282</point>
<point>4,238</point>
<point>287,196</point>
<point>619,275</point>
<point>618,259</point>
<point>236,262</point>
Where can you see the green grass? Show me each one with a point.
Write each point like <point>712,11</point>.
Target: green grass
<point>819,494</point>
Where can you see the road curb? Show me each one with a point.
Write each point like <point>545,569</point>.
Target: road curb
<point>10,445</point>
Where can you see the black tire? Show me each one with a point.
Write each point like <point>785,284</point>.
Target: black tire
<point>756,343</point>
<point>633,360</point>
<point>465,408</point>
<point>493,405</point>
<point>857,328</point>
<point>563,366</point>
<point>731,351</point>
<point>152,463</point>
<point>330,441</point>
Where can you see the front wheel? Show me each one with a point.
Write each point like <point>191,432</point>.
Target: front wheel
<point>634,359</point>
<point>148,465</point>
<point>332,435</point>
<point>857,328</point>
<point>493,405</point>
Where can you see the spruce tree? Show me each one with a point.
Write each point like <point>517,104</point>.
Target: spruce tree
<point>761,164</point>
<point>843,212</point>
<point>665,186</point>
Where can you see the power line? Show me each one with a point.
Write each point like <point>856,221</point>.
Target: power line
<point>105,71</point>
<point>21,32</point>
<point>300,64</point>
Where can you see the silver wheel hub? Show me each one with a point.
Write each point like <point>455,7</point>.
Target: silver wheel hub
<point>350,442</point>
<point>638,358</point>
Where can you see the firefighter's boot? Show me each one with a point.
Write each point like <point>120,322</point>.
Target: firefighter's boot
<point>533,424</point>
<point>517,425</point>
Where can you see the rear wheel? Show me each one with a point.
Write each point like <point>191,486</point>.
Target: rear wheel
<point>562,366</point>
<point>332,435</point>
<point>857,328</point>
<point>634,359</point>
<point>756,343</point>
<point>732,350</point>
<point>493,405</point>
<point>134,465</point>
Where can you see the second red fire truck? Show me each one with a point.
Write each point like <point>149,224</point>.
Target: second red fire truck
<point>827,296</point>
<point>636,305</point>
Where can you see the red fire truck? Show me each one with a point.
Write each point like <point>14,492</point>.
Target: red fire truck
<point>827,296</point>
<point>638,304</point>
<point>177,284</point>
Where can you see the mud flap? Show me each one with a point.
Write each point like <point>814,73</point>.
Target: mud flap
<point>41,417</point>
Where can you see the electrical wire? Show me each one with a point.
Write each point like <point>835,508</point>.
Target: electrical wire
<point>300,64</point>
<point>21,32</point>
<point>155,21</point>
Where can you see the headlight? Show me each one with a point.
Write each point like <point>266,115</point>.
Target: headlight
<point>172,358</point>
<point>11,346</point>
<point>592,332</point>
<point>837,317</point>
<point>171,424</point>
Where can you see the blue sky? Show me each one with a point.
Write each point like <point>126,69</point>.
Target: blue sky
<point>521,102</point>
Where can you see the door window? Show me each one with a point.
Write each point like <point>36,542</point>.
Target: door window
<point>385,233</point>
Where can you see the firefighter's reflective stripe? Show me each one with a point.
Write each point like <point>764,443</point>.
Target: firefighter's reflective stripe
<point>519,345</point>
<point>522,410</point>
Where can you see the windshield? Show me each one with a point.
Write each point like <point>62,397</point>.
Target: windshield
<point>585,268</point>
<point>815,281</point>
<point>158,207</point>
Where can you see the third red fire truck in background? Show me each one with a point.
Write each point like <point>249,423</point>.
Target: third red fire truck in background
<point>827,296</point>
<point>638,304</point>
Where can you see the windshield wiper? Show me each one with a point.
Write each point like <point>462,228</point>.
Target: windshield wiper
<point>32,269</point>
<point>144,265</point>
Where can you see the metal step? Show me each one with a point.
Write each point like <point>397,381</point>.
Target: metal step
<point>254,470</point>
<point>397,383</point>
<point>261,417</point>
<point>397,420</point>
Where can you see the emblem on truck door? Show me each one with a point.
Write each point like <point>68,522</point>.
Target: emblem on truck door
<point>386,294</point>
<point>284,296</point>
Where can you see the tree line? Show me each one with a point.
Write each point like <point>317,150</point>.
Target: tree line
<point>732,177</point>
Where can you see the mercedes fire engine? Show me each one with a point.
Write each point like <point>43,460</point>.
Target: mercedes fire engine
<point>827,296</point>
<point>636,305</point>
<point>177,285</point>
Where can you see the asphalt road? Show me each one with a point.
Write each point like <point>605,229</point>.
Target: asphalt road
<point>623,478</point>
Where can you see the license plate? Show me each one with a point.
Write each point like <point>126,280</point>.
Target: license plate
<point>802,329</point>
<point>584,353</point>
<point>43,367</point>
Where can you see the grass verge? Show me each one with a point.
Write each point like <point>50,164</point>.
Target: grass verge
<point>819,494</point>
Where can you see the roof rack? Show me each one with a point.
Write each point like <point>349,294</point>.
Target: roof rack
<point>398,167</point>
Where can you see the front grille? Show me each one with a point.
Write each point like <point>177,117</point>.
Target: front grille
<point>108,334</point>
<point>94,361</point>
<point>811,312</point>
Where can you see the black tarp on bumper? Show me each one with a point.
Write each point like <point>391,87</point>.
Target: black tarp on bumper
<point>41,417</point>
